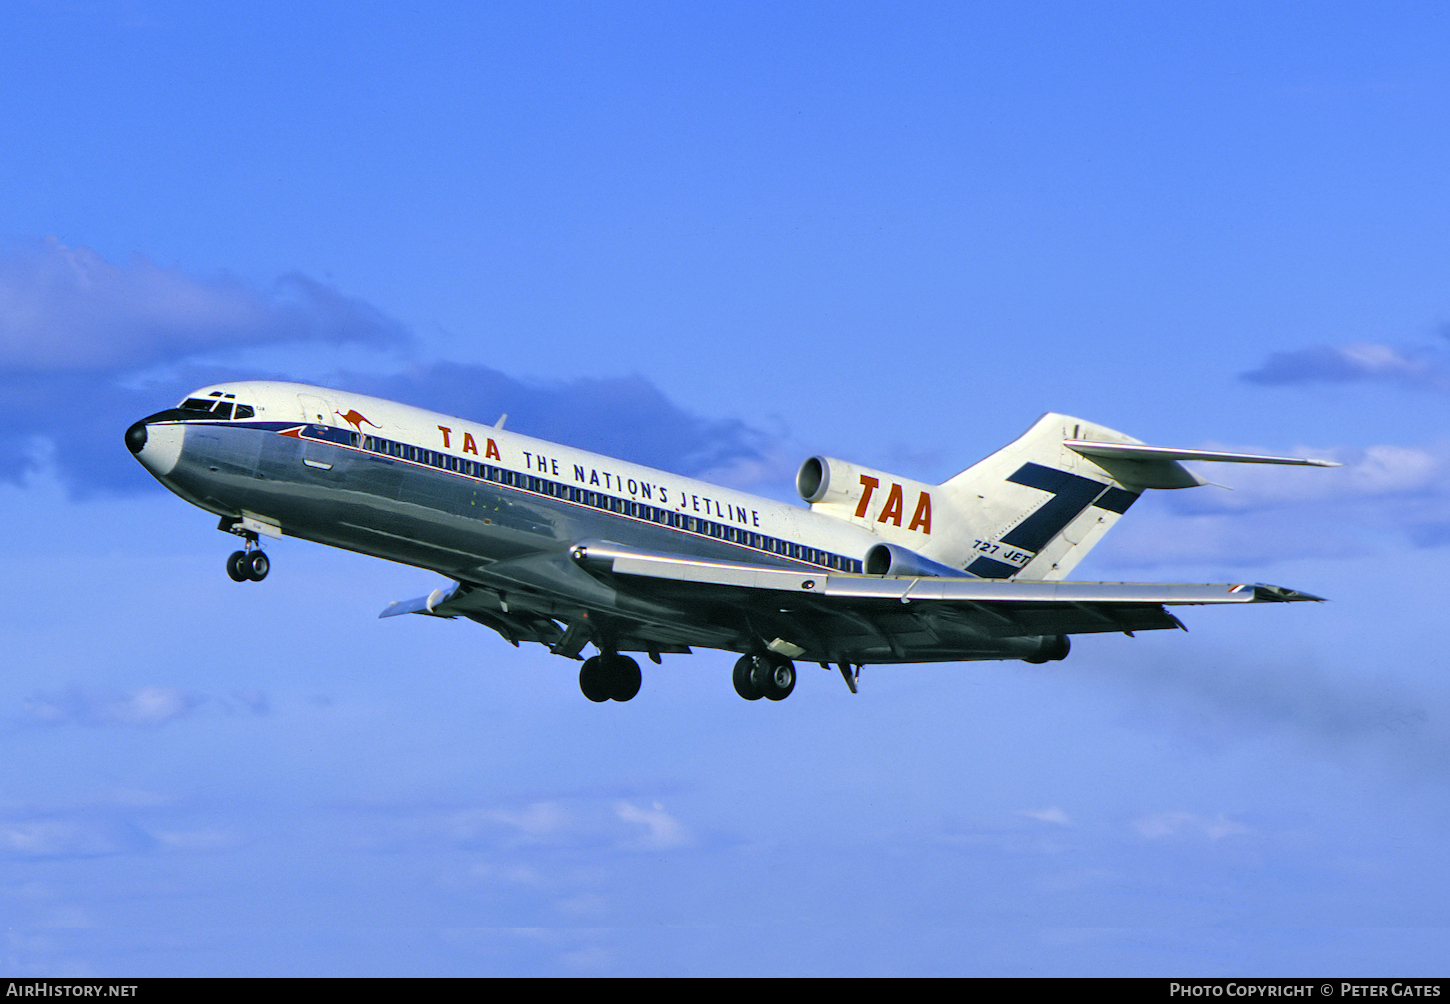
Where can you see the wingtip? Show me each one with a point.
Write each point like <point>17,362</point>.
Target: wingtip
<point>1265,593</point>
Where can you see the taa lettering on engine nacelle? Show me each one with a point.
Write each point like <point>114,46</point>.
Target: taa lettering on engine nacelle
<point>892,511</point>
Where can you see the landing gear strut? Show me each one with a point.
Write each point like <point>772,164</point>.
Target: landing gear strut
<point>770,676</point>
<point>609,677</point>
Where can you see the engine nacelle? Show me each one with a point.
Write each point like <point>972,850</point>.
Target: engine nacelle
<point>901,562</point>
<point>1051,648</point>
<point>828,481</point>
<point>886,503</point>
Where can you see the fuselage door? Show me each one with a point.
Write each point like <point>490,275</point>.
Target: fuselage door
<point>316,409</point>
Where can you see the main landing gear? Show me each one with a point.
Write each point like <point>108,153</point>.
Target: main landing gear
<point>609,677</point>
<point>770,676</point>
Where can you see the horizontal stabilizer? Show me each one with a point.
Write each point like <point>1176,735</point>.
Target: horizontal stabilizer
<point>1133,451</point>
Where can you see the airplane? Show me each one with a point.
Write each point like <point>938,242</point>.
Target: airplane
<point>550,544</point>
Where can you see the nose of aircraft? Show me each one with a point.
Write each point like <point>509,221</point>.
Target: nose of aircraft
<point>156,444</point>
<point>136,437</point>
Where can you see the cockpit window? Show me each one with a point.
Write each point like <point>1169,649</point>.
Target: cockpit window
<point>218,409</point>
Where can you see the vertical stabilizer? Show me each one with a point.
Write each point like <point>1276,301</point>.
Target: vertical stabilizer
<point>1036,507</point>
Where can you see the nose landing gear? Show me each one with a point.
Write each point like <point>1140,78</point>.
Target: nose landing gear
<point>244,565</point>
<point>248,563</point>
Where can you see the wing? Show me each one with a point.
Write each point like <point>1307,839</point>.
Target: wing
<point>671,601</point>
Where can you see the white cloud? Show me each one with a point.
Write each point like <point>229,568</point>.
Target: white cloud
<point>588,957</point>
<point>67,308</point>
<point>1383,492</point>
<point>662,831</point>
<point>1172,824</point>
<point>1368,472</point>
<point>151,706</point>
<point>197,840</point>
<point>624,417</point>
<point>539,820</point>
<point>76,328</point>
<point>542,822</point>
<point>585,904</point>
<point>1423,368</point>
<point>1051,814</point>
<point>568,822</point>
<point>513,874</point>
<point>61,837</point>
<point>143,706</point>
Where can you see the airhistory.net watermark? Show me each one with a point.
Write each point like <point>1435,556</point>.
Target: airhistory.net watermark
<point>69,989</point>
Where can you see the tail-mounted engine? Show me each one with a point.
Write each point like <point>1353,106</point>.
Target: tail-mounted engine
<point>895,560</point>
<point>885,503</point>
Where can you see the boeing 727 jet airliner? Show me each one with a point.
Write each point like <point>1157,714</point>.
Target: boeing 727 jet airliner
<point>554,545</point>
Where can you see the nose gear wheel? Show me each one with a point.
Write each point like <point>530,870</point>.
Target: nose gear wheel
<point>247,564</point>
<point>258,565</point>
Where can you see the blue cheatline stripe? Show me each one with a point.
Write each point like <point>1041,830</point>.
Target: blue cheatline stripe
<point>991,568</point>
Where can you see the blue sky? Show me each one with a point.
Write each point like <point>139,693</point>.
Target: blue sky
<point>718,239</point>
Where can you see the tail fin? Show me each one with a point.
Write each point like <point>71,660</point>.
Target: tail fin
<point>1036,506</point>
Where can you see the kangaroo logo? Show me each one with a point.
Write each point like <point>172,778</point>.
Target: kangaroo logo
<point>355,419</point>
